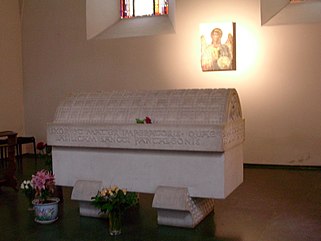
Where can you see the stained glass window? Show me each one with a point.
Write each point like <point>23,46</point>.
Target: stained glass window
<point>137,8</point>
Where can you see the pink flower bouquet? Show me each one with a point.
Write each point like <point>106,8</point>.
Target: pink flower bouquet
<point>44,184</point>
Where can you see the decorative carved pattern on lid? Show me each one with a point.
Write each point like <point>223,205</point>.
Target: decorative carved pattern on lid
<point>192,106</point>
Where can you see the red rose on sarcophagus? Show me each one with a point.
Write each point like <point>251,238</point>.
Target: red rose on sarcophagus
<point>41,145</point>
<point>148,120</point>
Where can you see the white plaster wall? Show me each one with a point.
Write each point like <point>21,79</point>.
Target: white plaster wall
<point>11,86</point>
<point>100,15</point>
<point>278,74</point>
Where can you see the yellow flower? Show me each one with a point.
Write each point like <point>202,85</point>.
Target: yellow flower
<point>113,188</point>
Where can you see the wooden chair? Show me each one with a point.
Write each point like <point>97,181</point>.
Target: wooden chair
<point>21,140</point>
<point>3,152</point>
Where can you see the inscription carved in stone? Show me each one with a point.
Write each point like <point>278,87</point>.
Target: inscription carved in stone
<point>134,137</point>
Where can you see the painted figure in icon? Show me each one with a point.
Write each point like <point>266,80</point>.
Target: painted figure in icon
<point>217,56</point>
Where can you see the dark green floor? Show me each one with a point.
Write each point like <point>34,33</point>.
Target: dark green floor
<point>271,205</point>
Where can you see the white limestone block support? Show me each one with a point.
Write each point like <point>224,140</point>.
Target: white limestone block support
<point>82,192</point>
<point>176,208</point>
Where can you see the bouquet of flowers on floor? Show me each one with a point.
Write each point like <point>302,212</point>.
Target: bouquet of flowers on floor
<point>114,199</point>
<point>27,187</point>
<point>43,183</point>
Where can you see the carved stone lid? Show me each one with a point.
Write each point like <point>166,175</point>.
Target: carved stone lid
<point>182,120</point>
<point>189,106</point>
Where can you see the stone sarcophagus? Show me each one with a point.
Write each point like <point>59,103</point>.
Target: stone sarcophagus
<point>194,143</point>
